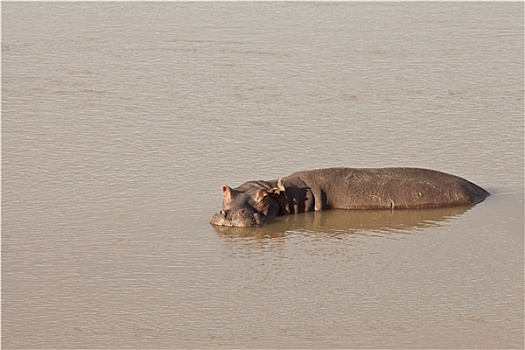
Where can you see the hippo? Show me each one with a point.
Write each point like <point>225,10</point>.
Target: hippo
<point>255,202</point>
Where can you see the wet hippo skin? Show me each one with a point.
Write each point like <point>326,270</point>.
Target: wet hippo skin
<point>255,202</point>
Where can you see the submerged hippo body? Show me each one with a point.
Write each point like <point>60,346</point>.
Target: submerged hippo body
<point>255,202</point>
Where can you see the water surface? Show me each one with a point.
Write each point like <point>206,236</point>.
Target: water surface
<point>120,122</point>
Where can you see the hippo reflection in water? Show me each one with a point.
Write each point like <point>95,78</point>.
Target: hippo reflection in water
<point>255,202</point>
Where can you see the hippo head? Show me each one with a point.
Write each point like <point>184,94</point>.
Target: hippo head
<point>248,205</point>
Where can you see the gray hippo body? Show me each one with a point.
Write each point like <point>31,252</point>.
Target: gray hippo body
<point>255,202</point>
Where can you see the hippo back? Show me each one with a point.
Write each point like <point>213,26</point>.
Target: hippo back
<point>399,188</point>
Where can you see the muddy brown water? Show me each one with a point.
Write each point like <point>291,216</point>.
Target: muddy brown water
<point>120,122</point>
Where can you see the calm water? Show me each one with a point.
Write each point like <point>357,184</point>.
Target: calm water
<point>120,122</point>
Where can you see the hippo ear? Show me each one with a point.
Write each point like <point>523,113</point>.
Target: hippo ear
<point>226,190</point>
<point>280,184</point>
<point>226,194</point>
<point>261,194</point>
<point>274,192</point>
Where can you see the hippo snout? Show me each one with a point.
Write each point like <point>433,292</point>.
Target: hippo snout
<point>240,218</point>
